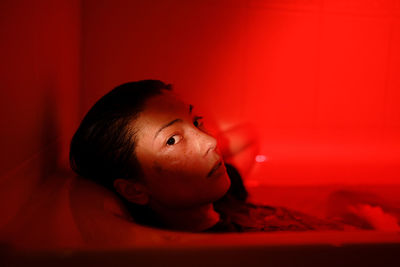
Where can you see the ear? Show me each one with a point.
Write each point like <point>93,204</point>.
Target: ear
<point>134,192</point>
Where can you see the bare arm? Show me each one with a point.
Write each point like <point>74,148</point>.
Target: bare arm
<point>239,145</point>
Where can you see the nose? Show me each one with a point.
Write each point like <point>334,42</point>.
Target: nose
<point>207,142</point>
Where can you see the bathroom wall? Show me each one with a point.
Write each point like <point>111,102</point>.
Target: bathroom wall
<point>318,78</point>
<point>39,95</point>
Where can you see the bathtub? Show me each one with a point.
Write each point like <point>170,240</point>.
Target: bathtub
<point>85,224</point>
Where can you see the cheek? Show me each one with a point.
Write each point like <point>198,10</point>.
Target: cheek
<point>176,181</point>
<point>180,163</point>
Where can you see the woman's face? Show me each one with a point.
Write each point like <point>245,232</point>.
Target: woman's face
<point>181,162</point>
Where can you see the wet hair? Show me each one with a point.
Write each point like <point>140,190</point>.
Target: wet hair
<point>102,148</point>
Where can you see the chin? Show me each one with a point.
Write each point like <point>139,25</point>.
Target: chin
<point>223,186</point>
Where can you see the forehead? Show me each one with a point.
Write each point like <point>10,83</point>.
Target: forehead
<point>159,110</point>
<point>164,106</point>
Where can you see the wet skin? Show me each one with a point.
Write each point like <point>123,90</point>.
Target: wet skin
<point>182,164</point>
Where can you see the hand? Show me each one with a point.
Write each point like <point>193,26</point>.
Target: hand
<point>239,145</point>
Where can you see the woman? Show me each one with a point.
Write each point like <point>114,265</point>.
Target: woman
<point>153,150</point>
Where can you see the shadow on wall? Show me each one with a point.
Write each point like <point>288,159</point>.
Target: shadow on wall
<point>23,188</point>
<point>40,74</point>
<point>50,131</point>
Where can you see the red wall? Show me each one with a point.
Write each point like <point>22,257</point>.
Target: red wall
<point>40,76</point>
<point>317,78</point>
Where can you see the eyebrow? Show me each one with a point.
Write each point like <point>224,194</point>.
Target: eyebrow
<point>172,122</point>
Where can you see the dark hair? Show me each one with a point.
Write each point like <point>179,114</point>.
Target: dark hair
<point>102,149</point>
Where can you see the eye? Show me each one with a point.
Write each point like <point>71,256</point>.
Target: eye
<point>173,140</point>
<point>197,122</point>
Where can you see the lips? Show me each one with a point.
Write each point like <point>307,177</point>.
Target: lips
<point>216,166</point>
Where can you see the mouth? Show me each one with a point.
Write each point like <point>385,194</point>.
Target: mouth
<point>215,168</point>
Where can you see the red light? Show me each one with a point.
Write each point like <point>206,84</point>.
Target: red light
<point>261,158</point>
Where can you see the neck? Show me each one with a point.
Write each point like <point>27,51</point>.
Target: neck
<point>191,219</point>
